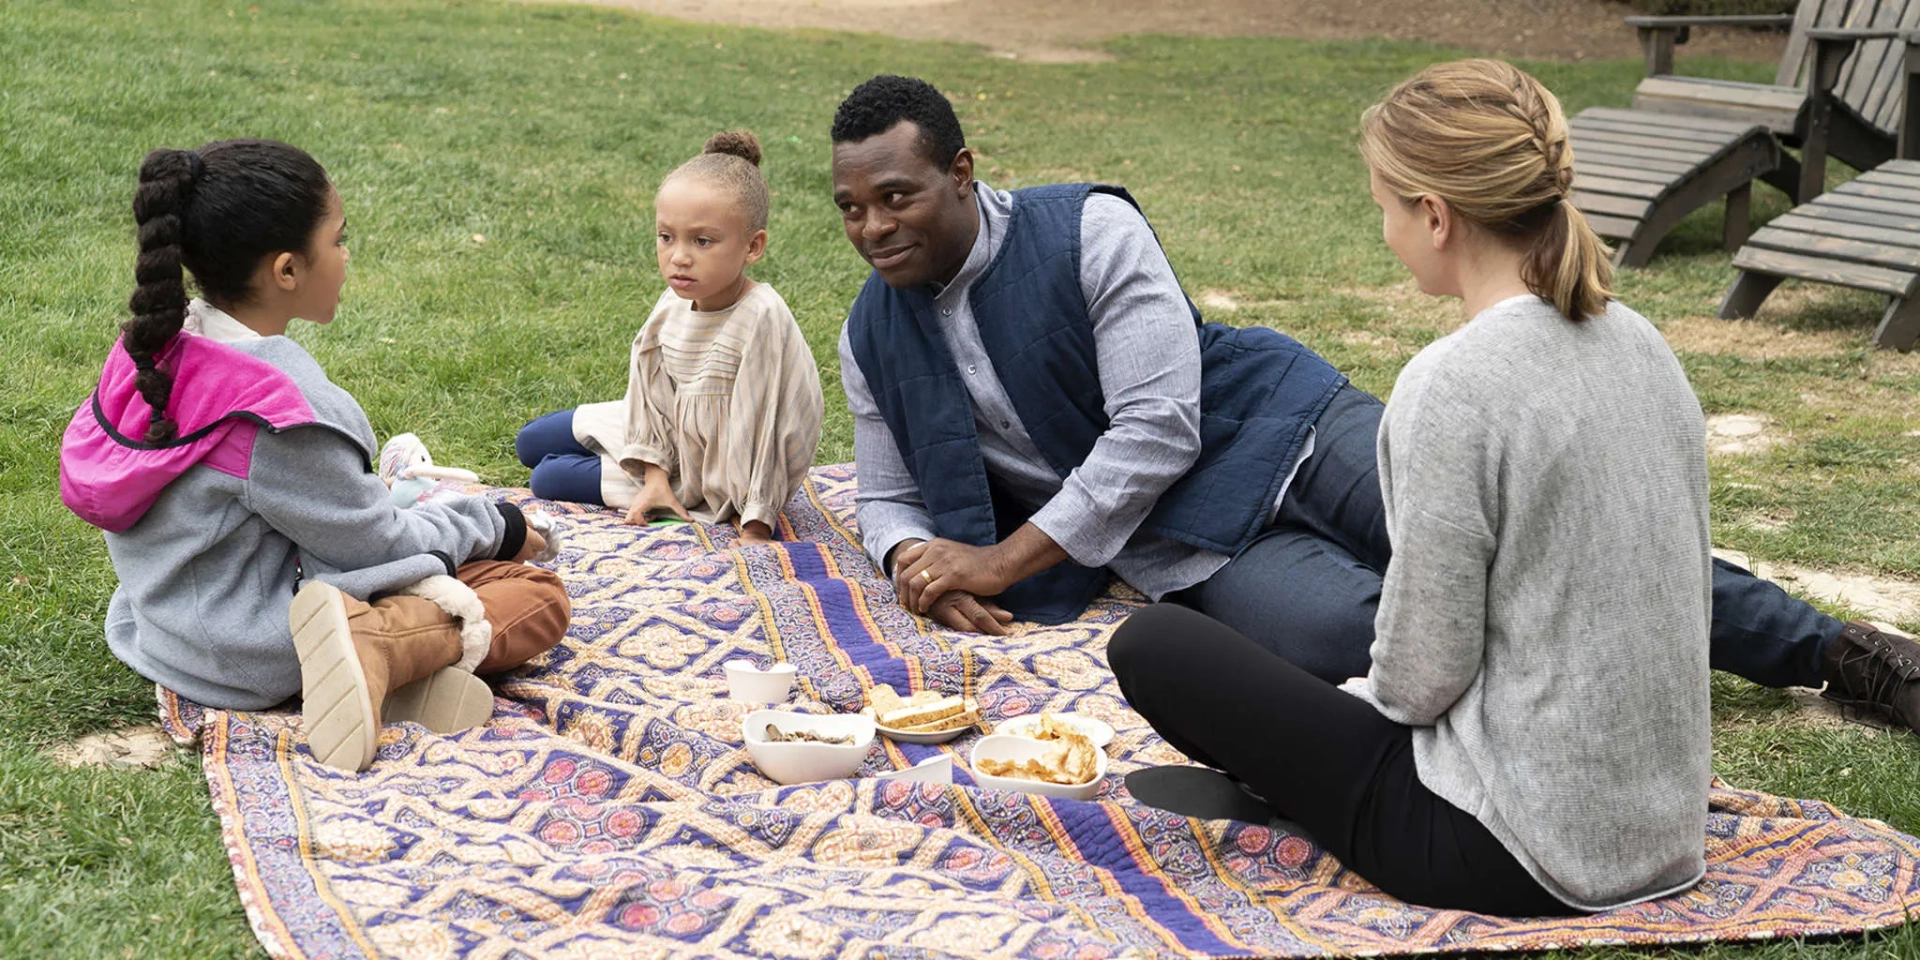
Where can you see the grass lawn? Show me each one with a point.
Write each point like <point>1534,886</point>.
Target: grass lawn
<point>497,163</point>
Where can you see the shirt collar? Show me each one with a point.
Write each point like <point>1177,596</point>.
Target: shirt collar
<point>206,320</point>
<point>994,207</point>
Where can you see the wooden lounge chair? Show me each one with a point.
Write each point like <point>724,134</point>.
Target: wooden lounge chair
<point>1637,174</point>
<point>1847,108</point>
<point>1865,234</point>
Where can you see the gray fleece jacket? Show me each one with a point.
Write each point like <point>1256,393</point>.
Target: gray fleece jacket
<point>1543,625</point>
<point>270,483</point>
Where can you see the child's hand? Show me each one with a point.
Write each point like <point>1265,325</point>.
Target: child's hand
<point>535,546</point>
<point>656,498</point>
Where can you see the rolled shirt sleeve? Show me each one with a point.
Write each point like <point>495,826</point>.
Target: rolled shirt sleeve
<point>888,503</point>
<point>1149,355</point>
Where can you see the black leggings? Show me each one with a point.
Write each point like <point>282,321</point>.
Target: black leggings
<point>1321,757</point>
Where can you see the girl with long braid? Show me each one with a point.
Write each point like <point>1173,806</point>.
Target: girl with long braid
<point>259,555</point>
<point>1533,734</point>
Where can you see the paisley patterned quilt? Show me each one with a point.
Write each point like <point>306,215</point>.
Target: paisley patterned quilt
<point>609,810</point>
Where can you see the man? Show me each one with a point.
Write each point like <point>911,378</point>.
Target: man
<point>1037,404</point>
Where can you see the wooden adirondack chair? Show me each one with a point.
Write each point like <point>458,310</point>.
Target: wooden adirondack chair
<point>1847,107</point>
<point>1865,234</point>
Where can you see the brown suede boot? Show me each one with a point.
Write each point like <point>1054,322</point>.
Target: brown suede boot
<point>1877,669</point>
<point>358,661</point>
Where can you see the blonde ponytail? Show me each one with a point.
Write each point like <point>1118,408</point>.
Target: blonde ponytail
<point>1492,142</point>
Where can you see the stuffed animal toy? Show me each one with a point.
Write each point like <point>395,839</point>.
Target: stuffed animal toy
<point>409,471</point>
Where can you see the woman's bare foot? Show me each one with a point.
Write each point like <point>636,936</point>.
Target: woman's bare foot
<point>754,533</point>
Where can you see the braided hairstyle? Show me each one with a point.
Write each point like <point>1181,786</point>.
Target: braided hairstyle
<point>732,160</point>
<point>215,212</point>
<point>1492,142</point>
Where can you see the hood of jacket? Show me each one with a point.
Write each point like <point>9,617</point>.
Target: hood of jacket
<point>222,397</point>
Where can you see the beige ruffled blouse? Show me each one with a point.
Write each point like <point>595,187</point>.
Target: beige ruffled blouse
<point>727,402</point>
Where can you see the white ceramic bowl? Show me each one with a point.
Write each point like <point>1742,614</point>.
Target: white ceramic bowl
<point>931,770</point>
<point>1092,728</point>
<point>1002,747</point>
<point>806,762</point>
<point>750,684</point>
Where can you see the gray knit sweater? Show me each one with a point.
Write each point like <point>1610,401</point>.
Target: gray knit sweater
<point>1543,625</point>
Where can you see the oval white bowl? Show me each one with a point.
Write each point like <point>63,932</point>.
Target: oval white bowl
<point>1092,728</point>
<point>750,684</point>
<point>1005,747</point>
<point>806,762</point>
<point>931,770</point>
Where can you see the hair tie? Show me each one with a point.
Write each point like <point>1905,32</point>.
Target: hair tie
<point>143,364</point>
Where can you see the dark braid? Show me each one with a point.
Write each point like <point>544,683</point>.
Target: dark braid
<point>216,212</point>
<point>159,301</point>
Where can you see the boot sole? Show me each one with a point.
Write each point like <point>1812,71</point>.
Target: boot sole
<point>448,700</point>
<point>336,709</point>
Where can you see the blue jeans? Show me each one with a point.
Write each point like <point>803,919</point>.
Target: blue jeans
<point>1308,587</point>
<point>562,468</point>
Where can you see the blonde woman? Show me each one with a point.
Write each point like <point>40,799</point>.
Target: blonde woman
<point>1532,736</point>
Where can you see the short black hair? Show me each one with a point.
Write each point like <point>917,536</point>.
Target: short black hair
<point>876,105</point>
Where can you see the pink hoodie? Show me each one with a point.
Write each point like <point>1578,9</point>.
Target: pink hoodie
<point>221,398</point>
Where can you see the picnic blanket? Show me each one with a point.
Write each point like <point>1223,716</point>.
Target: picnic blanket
<point>609,809</point>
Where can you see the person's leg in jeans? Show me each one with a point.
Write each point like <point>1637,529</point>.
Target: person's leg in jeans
<point>1336,493</point>
<point>1302,597</point>
<point>1765,634</point>
<point>563,469</point>
<point>1760,632</point>
<point>1320,757</point>
<point>1307,588</point>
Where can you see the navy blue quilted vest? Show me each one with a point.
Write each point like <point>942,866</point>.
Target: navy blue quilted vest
<point>1260,392</point>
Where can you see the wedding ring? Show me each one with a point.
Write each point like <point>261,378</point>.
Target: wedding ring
<point>926,575</point>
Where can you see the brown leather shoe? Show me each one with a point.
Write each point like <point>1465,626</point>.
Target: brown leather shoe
<point>1873,668</point>
<point>359,661</point>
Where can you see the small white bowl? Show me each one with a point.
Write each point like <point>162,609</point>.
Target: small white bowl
<point>1003,747</point>
<point>931,770</point>
<point>750,684</point>
<point>1092,728</point>
<point>806,762</point>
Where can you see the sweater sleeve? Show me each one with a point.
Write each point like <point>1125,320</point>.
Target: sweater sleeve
<point>1437,476</point>
<point>311,485</point>
<point>775,413</point>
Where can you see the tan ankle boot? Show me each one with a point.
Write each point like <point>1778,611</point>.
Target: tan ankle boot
<point>358,661</point>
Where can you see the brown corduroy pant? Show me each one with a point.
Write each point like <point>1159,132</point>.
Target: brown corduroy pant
<point>527,606</point>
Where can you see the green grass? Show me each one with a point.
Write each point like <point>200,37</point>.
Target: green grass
<point>545,129</point>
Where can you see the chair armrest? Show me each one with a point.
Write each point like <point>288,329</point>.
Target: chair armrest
<point>1855,35</point>
<point>1833,45</point>
<point>1831,48</point>
<point>1664,23</point>
<point>1659,35</point>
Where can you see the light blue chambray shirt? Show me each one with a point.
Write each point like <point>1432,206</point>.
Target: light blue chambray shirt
<point>1149,366</point>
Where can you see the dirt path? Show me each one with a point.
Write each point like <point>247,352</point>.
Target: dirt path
<point>1060,30</point>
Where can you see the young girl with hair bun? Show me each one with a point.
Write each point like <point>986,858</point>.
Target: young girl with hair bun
<point>259,555</point>
<point>1533,734</point>
<point>723,408</point>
